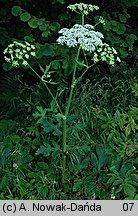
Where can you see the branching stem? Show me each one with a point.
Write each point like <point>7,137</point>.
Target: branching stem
<point>48,89</point>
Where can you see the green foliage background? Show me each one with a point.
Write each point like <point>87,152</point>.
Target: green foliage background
<point>102,125</point>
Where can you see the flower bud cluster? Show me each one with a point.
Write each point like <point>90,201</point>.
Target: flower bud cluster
<point>81,35</point>
<point>19,53</point>
<point>101,20</point>
<point>82,8</point>
<point>107,54</point>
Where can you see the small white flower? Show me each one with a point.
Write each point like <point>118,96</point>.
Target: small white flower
<point>28,44</point>
<point>99,34</point>
<point>24,51</point>
<point>22,45</point>
<point>17,50</point>
<point>80,7</point>
<point>61,40</point>
<point>112,193</point>
<point>114,51</point>
<point>15,64</point>
<point>99,50</point>
<point>89,47</point>
<point>24,63</point>
<point>102,20</point>
<point>111,62</point>
<point>5,51</point>
<point>15,42</point>
<point>32,46</point>
<point>26,56</point>
<point>77,26</point>
<point>63,31</point>
<point>19,44</point>
<point>11,45</point>
<point>118,59</point>
<point>33,53</point>
<point>72,43</point>
<point>19,56</point>
<point>98,42</point>
<point>10,51</point>
<point>88,26</point>
<point>95,58</point>
<point>28,48</point>
<point>103,58</point>
<point>7,59</point>
<point>15,165</point>
<point>12,57</point>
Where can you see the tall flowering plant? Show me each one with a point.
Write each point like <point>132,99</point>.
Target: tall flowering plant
<point>85,39</point>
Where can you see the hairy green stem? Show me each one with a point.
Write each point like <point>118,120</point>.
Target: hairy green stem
<point>64,141</point>
<point>64,151</point>
<point>85,57</point>
<point>82,19</point>
<point>72,83</point>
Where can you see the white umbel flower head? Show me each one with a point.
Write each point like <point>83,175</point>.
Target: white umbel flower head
<point>81,35</point>
<point>89,40</point>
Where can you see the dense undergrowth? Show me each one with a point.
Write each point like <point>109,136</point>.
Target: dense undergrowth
<point>102,126</point>
<point>102,142</point>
